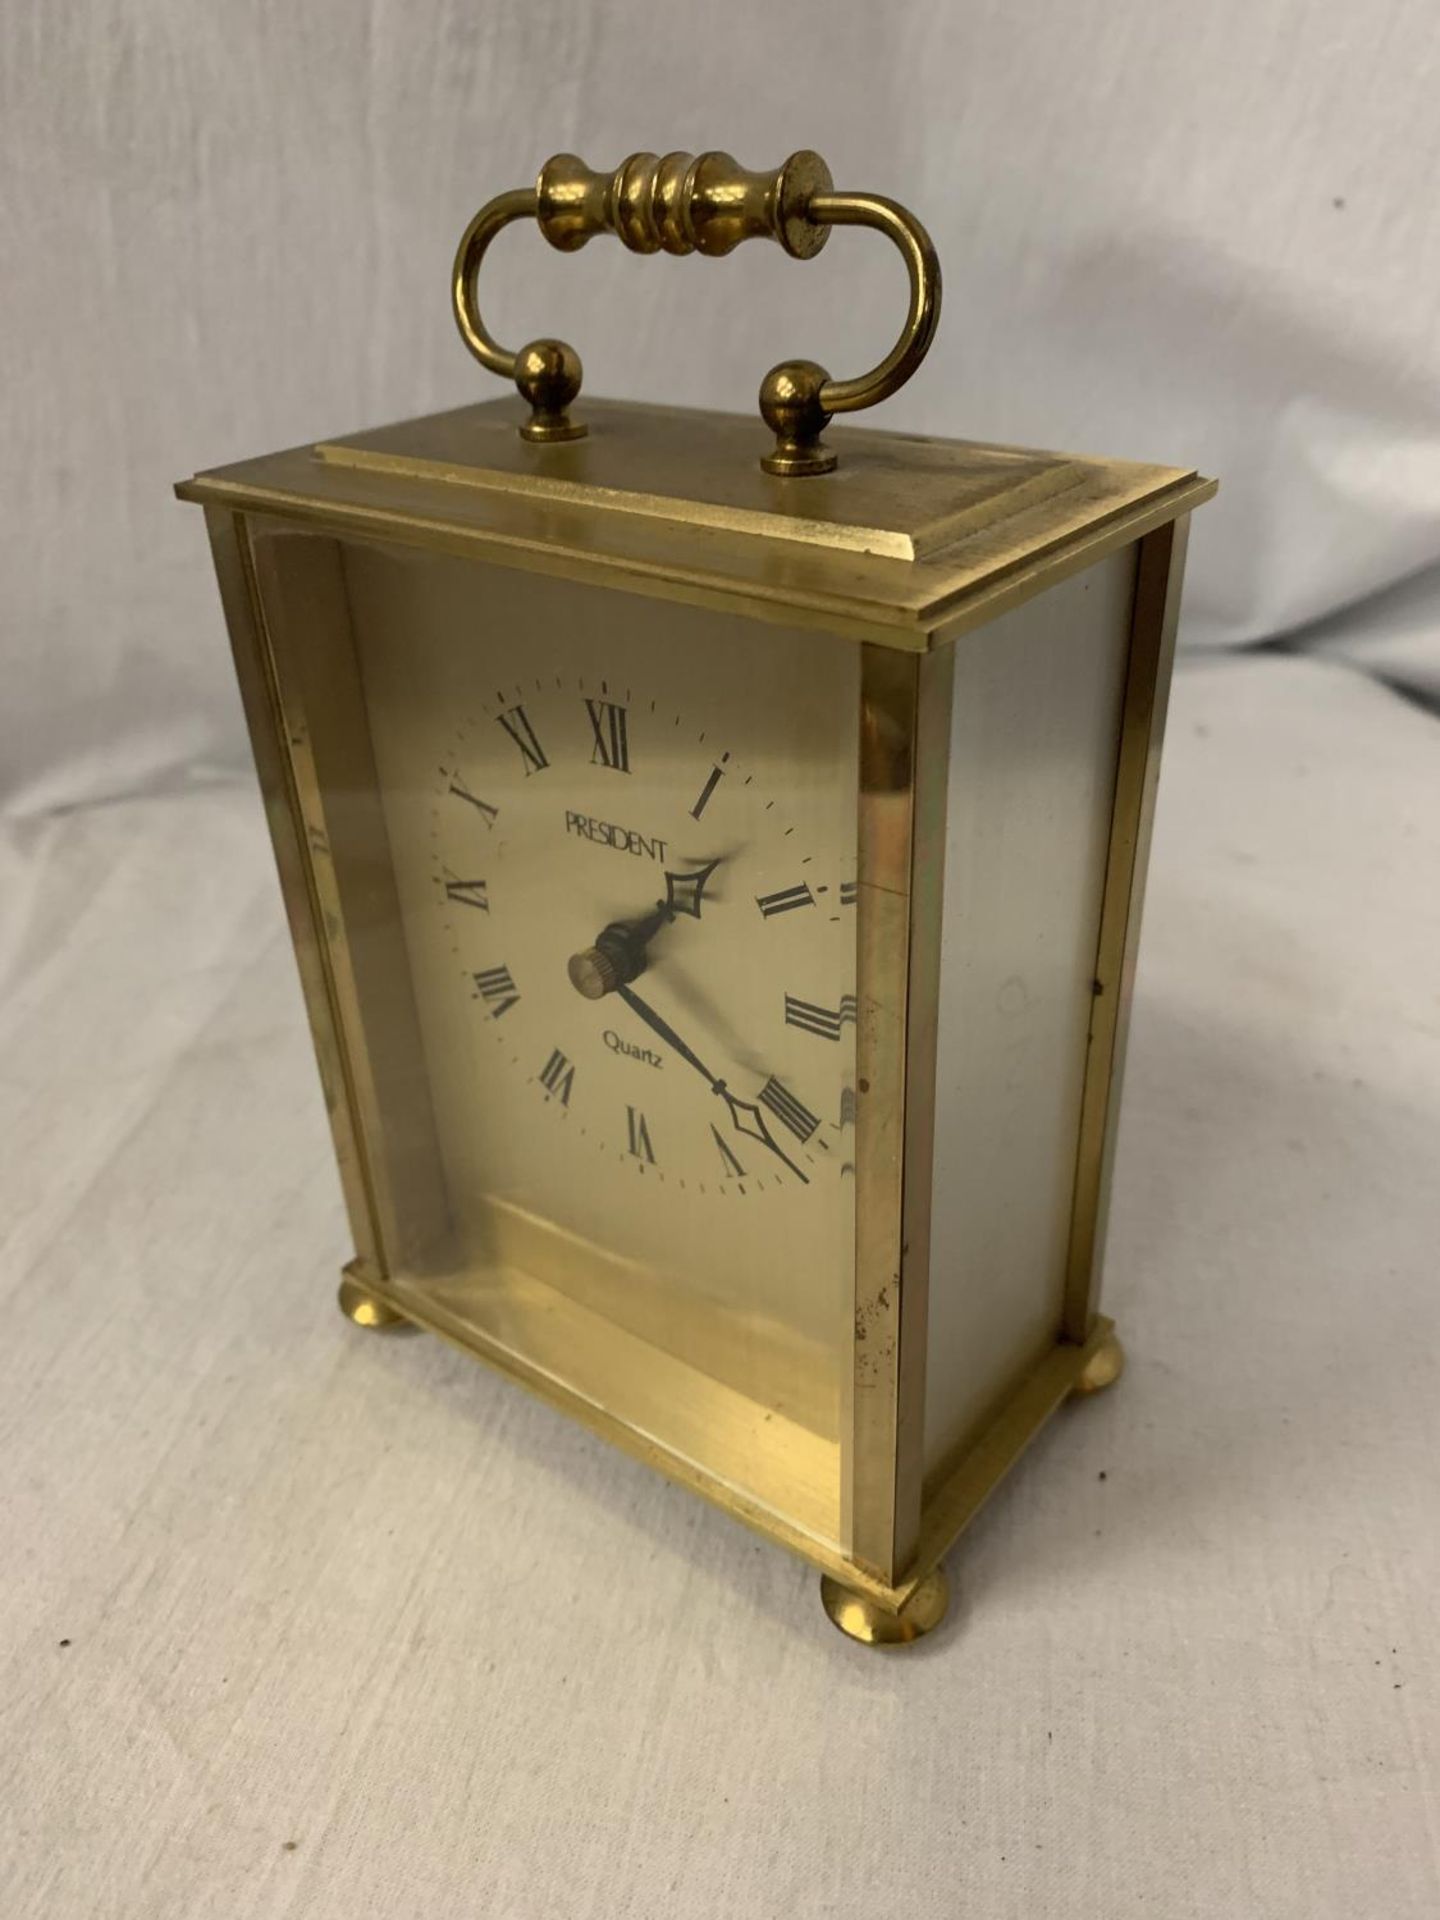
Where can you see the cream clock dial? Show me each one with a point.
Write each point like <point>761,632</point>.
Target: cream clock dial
<point>629,956</point>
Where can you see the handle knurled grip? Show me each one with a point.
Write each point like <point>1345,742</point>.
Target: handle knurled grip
<point>707,204</point>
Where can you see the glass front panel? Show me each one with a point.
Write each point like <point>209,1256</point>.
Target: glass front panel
<point>596,931</point>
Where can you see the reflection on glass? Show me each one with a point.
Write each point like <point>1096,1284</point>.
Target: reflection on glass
<point>621,837</point>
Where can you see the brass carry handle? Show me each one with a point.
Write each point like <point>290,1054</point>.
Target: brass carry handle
<point>706,205</point>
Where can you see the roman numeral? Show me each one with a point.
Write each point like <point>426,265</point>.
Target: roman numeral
<point>612,744</point>
<point>516,723</point>
<point>640,1145</point>
<point>496,989</point>
<point>787,1109</point>
<point>847,1108</point>
<point>785,901</point>
<point>812,1019</point>
<point>717,774</point>
<point>848,890</point>
<point>466,893</point>
<point>732,1165</point>
<point>488,813</point>
<point>557,1077</point>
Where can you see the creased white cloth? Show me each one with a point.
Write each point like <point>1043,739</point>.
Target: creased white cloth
<point>296,1621</point>
<point>1198,234</point>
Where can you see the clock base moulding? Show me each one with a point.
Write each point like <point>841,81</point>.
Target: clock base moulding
<point>867,1610</point>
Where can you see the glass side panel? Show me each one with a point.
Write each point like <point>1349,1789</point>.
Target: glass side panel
<point>596,933</point>
<point>1034,739</point>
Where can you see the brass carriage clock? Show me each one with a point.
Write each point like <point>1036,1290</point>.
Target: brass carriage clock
<point>715,872</point>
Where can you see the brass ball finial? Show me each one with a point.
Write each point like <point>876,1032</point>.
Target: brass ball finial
<point>790,406</point>
<point>548,374</point>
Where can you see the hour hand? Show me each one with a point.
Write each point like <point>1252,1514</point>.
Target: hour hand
<point>685,891</point>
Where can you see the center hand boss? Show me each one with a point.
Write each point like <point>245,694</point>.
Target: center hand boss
<point>620,952</point>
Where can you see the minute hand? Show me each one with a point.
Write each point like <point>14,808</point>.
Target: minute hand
<point>740,1110</point>
<point>667,1033</point>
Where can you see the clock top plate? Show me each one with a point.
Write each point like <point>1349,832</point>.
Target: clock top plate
<point>911,540</point>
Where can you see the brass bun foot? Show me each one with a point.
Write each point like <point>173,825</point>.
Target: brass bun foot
<point>1103,1368</point>
<point>866,1621</point>
<point>365,1310</point>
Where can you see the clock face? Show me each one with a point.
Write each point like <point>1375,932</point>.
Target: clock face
<point>630,948</point>
<point>624,839</point>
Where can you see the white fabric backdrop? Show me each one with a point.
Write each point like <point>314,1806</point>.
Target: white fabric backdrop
<point>1202,234</point>
<point>251,1660</point>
